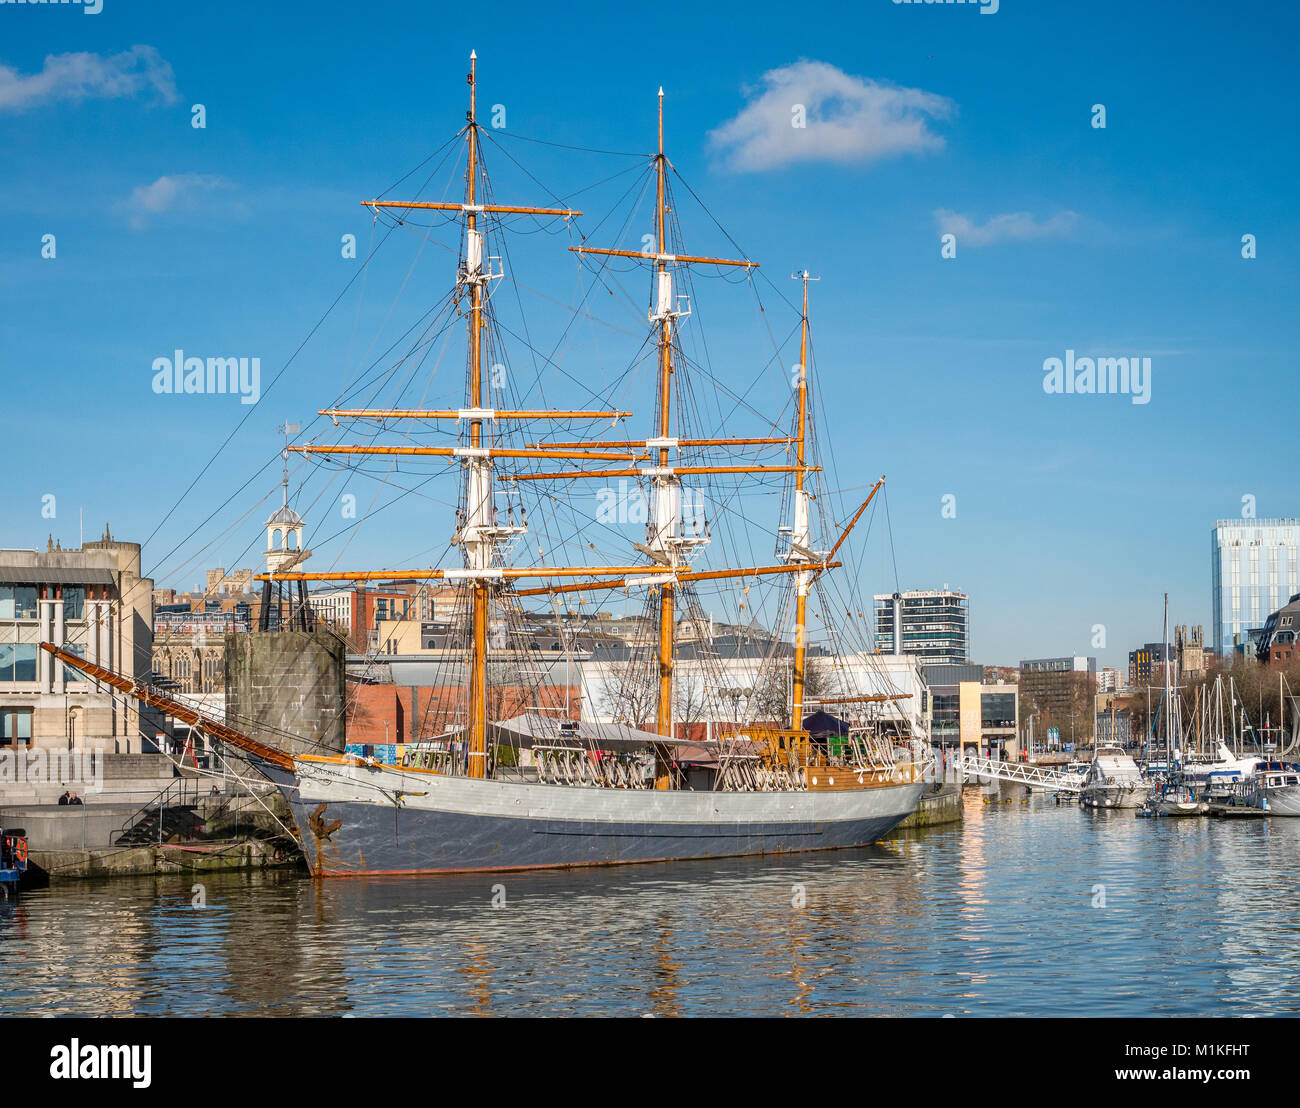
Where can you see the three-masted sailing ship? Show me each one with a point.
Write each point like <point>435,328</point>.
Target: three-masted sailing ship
<point>542,791</point>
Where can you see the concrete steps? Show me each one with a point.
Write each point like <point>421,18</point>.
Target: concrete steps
<point>180,821</point>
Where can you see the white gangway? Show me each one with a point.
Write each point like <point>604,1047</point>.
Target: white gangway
<point>1035,777</point>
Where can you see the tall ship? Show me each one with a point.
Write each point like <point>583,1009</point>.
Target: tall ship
<point>515,781</point>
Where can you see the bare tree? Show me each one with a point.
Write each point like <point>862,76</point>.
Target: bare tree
<point>773,693</point>
<point>632,697</point>
<point>689,702</point>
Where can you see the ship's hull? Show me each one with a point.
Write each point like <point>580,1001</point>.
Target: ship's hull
<point>1182,807</point>
<point>355,820</point>
<point>1115,796</point>
<point>1280,801</point>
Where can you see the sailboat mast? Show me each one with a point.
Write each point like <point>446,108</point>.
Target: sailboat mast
<point>663,499</point>
<point>478,503</point>
<point>1169,746</point>
<point>800,533</point>
<point>667,543</point>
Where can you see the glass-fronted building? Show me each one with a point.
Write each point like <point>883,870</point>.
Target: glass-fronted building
<point>966,713</point>
<point>1255,567</point>
<point>936,625</point>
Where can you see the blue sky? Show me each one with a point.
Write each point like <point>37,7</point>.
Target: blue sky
<point>1071,511</point>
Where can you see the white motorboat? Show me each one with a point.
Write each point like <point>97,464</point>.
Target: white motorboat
<point>1200,772</point>
<point>1114,781</point>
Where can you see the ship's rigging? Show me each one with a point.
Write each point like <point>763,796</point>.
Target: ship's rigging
<point>515,454</point>
<point>512,770</point>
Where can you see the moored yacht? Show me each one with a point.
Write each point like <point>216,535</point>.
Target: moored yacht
<point>1274,787</point>
<point>1176,798</point>
<point>1114,781</point>
<point>1200,771</point>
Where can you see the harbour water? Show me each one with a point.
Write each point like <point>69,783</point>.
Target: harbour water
<point>1029,910</point>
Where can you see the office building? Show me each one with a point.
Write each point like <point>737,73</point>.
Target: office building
<point>1146,664</point>
<point>1255,566</point>
<point>968,714</point>
<point>94,603</point>
<point>934,625</point>
<point>1058,693</point>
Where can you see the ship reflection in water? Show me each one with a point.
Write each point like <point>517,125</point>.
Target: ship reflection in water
<point>1023,910</point>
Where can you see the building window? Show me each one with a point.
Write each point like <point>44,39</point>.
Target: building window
<point>17,602</point>
<point>998,710</point>
<point>17,663</point>
<point>15,727</point>
<point>74,602</point>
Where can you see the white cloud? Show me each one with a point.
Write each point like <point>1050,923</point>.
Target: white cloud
<point>179,192</point>
<point>847,119</point>
<point>1019,226</point>
<point>88,77</point>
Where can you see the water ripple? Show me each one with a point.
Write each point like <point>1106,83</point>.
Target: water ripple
<point>1023,910</point>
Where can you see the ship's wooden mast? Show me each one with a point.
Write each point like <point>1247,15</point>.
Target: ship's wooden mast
<point>800,549</point>
<point>806,562</point>
<point>478,467</point>
<point>478,535</point>
<point>664,544</point>
<point>666,596</point>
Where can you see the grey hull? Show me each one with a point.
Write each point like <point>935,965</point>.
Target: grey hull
<point>490,825</point>
<point>1124,797</point>
<point>1284,801</point>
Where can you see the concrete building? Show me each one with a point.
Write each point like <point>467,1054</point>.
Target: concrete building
<point>430,602</point>
<point>94,602</point>
<point>969,715</point>
<point>334,606</point>
<point>1059,693</point>
<point>356,612</point>
<point>934,625</point>
<point>1255,566</point>
<point>1110,679</point>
